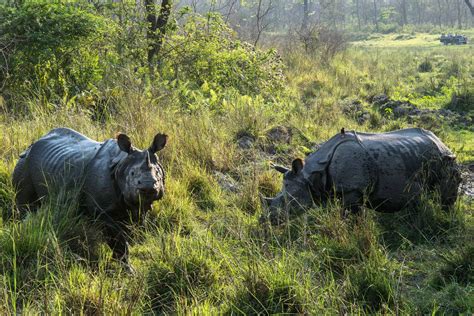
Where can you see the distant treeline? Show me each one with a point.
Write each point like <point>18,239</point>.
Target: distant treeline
<point>373,15</point>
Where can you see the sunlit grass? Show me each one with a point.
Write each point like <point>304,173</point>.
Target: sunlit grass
<point>203,250</point>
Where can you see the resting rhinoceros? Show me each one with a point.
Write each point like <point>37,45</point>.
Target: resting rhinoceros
<point>390,170</point>
<point>117,182</point>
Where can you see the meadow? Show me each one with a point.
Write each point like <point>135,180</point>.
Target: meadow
<point>202,249</point>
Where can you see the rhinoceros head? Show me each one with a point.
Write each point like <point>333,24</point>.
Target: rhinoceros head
<point>139,175</point>
<point>295,195</point>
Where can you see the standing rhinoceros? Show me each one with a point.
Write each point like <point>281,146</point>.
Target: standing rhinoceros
<point>389,169</point>
<point>117,182</point>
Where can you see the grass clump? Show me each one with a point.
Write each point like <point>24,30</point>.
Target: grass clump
<point>426,222</point>
<point>373,285</point>
<point>425,66</point>
<point>184,277</point>
<point>457,266</point>
<point>7,197</point>
<point>277,295</point>
<point>204,191</point>
<point>452,299</point>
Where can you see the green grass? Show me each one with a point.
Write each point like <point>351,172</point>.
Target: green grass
<point>203,250</point>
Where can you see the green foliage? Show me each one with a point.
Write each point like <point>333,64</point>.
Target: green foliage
<point>183,276</point>
<point>372,285</point>
<point>452,299</point>
<point>425,66</point>
<point>458,266</point>
<point>207,57</point>
<point>279,295</point>
<point>54,50</point>
<point>203,191</point>
<point>462,100</point>
<point>7,195</point>
<point>421,224</point>
<point>203,250</point>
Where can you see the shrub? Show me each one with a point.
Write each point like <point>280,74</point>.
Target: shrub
<point>462,100</point>
<point>324,41</point>
<point>206,54</point>
<point>425,66</point>
<point>52,50</point>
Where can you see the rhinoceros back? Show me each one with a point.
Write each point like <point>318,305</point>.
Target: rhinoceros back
<point>59,157</point>
<point>392,165</point>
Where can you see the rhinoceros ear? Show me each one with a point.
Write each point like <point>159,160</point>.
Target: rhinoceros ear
<point>280,169</point>
<point>297,165</point>
<point>159,142</point>
<point>124,143</point>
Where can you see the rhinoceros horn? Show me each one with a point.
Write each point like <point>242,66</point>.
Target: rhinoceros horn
<point>266,201</point>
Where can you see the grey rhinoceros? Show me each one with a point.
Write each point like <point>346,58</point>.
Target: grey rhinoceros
<point>117,182</point>
<point>386,171</point>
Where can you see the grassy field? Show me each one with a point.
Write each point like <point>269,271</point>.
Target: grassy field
<point>203,251</point>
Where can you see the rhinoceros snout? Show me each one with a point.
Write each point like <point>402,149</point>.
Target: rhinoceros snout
<point>147,191</point>
<point>271,207</point>
<point>266,201</point>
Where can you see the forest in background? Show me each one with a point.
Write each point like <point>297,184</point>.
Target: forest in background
<point>237,85</point>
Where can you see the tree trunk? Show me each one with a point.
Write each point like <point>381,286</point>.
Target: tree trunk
<point>156,29</point>
<point>458,7</point>
<point>470,6</point>
<point>304,24</point>
<point>358,14</point>
<point>440,12</point>
<point>404,12</point>
<point>376,22</point>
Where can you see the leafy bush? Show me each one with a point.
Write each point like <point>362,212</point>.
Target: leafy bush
<point>324,41</point>
<point>206,54</point>
<point>52,50</point>
<point>425,66</point>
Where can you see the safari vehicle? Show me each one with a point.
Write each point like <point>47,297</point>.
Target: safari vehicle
<point>455,39</point>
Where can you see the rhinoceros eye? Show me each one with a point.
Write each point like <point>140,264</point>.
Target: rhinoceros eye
<point>133,173</point>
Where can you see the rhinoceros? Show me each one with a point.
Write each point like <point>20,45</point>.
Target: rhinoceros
<point>117,182</point>
<point>386,171</point>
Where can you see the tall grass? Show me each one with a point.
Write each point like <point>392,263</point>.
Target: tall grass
<point>202,249</point>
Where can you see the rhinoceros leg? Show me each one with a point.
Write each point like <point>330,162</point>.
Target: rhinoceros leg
<point>117,241</point>
<point>352,201</point>
<point>25,192</point>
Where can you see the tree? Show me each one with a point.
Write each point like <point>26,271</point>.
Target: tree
<point>358,14</point>
<point>470,6</point>
<point>156,29</point>
<point>376,22</point>
<point>304,24</point>
<point>260,18</point>
<point>403,12</point>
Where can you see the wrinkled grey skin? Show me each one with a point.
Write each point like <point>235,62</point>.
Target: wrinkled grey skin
<point>390,170</point>
<point>118,183</point>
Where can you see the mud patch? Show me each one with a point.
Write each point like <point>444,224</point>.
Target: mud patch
<point>467,185</point>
